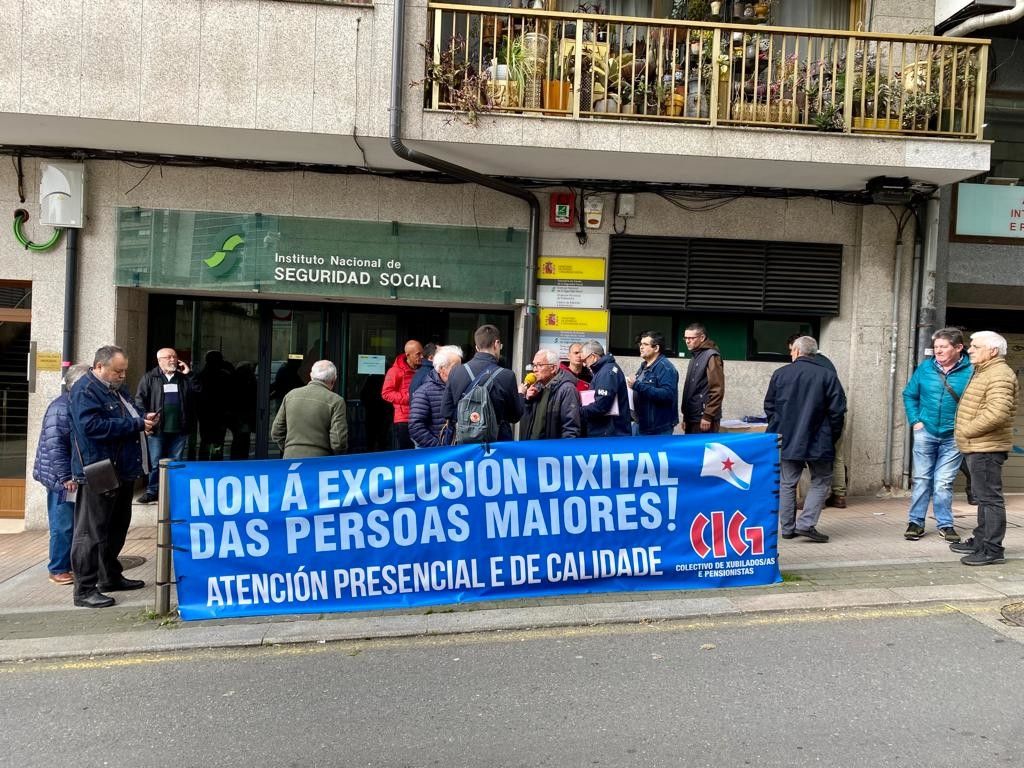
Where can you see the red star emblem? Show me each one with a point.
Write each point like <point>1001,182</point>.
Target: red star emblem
<point>727,464</point>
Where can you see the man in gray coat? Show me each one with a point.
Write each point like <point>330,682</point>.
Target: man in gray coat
<point>311,421</point>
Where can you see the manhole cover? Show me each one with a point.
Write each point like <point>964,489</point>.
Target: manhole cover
<point>1014,613</point>
<point>130,561</point>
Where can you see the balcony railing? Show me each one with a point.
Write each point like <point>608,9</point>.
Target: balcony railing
<point>622,68</point>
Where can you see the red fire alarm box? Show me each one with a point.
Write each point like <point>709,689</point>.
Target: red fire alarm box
<point>563,210</point>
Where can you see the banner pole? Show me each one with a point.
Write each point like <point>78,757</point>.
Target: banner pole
<point>163,544</point>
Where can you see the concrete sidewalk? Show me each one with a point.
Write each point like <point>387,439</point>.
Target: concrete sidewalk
<point>867,563</point>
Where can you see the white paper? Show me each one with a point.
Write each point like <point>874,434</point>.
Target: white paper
<point>587,398</point>
<point>71,496</point>
<point>169,387</point>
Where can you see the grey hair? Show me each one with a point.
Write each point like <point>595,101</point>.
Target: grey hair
<point>806,345</point>
<point>592,347</point>
<point>105,354</point>
<point>992,340</point>
<point>73,374</point>
<point>324,371</point>
<point>550,356</point>
<point>953,335</point>
<point>447,356</point>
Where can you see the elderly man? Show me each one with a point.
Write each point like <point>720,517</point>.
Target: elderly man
<point>311,420</point>
<point>984,435</point>
<point>704,386</point>
<point>426,421</point>
<point>396,389</point>
<point>655,388</point>
<point>607,413</point>
<point>552,404</point>
<point>106,459</point>
<point>806,405</point>
<point>168,389</point>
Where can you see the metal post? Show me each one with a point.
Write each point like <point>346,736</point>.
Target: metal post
<point>163,544</point>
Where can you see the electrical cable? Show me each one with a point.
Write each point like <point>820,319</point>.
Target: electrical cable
<point>21,216</point>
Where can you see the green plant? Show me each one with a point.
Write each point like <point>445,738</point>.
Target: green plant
<point>460,85</point>
<point>513,55</point>
<point>828,117</point>
<point>692,10</point>
<point>919,107</point>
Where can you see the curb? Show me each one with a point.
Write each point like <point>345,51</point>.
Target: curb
<point>188,637</point>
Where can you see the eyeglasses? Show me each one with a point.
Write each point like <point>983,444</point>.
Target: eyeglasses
<point>646,344</point>
<point>691,338</point>
<point>543,365</point>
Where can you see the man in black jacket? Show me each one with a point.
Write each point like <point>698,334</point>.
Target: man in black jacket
<point>503,392</point>
<point>552,402</point>
<point>806,405</point>
<point>169,389</point>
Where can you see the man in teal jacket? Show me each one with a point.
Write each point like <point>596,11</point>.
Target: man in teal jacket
<point>930,398</point>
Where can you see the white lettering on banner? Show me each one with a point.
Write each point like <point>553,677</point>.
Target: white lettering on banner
<point>401,527</point>
<point>553,516</point>
<point>405,578</point>
<point>229,495</point>
<point>603,564</point>
<point>598,472</point>
<point>265,588</point>
<point>204,542</point>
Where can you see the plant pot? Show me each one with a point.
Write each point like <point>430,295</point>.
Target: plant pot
<point>557,96</point>
<point>503,94</point>
<point>877,123</point>
<point>761,11</point>
<point>956,125</point>
<point>696,101</point>
<point>609,103</point>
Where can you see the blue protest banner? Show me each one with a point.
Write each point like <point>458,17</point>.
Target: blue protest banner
<point>447,525</point>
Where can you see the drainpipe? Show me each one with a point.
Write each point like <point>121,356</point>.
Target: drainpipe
<point>930,248</point>
<point>529,317</point>
<point>70,286</point>
<point>985,20</point>
<point>912,337</point>
<point>893,350</point>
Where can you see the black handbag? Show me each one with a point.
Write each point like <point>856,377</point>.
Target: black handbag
<point>101,477</point>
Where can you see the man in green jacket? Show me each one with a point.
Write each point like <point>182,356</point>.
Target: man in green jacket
<point>984,435</point>
<point>311,421</point>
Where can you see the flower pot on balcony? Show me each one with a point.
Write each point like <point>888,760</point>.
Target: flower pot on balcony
<point>557,96</point>
<point>954,124</point>
<point>609,103</point>
<point>877,123</point>
<point>696,102</point>
<point>761,11</point>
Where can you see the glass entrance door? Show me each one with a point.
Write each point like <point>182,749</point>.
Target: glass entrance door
<point>297,340</point>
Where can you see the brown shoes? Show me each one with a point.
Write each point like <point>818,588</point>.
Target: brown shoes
<point>64,579</point>
<point>839,502</point>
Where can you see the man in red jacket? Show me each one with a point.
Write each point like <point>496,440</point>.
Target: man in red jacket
<point>396,389</point>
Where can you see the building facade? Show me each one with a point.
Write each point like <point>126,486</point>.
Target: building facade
<point>243,199</point>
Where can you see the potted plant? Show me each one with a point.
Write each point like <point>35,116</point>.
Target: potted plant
<point>506,76</point>
<point>460,86</point>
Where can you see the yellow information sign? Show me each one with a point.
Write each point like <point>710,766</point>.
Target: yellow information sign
<point>48,361</point>
<point>593,321</point>
<point>551,268</point>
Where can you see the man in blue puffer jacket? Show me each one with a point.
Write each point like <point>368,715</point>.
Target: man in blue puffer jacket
<point>105,425</point>
<point>655,388</point>
<point>930,399</point>
<point>426,421</point>
<point>53,469</point>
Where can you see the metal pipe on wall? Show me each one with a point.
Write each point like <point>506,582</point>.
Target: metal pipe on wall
<point>70,297</point>
<point>915,301</point>
<point>890,410</point>
<point>529,315</point>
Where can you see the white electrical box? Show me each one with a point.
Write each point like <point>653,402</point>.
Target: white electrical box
<point>62,194</point>
<point>626,206</point>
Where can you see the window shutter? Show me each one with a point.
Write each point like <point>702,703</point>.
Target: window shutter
<point>747,276</point>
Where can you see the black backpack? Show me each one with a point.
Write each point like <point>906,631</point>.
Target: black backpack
<point>475,420</point>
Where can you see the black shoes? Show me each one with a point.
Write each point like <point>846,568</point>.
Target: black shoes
<point>788,535</point>
<point>94,600</point>
<point>813,534</point>
<point>834,500</point>
<point>914,532</point>
<point>963,547</point>
<point>982,558</point>
<point>124,585</point>
<point>147,498</point>
<point>949,534</point>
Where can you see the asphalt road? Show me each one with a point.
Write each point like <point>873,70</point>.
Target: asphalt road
<point>892,687</point>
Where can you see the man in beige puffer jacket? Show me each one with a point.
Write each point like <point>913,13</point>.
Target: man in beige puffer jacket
<point>984,435</point>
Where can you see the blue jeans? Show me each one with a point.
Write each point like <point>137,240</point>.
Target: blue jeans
<point>62,522</point>
<point>163,447</point>
<point>936,462</point>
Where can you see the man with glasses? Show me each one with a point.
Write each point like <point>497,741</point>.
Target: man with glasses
<point>105,429</point>
<point>503,392</point>
<point>704,386</point>
<point>655,388</point>
<point>552,407</point>
<point>607,415</point>
<point>984,435</point>
<point>168,389</point>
